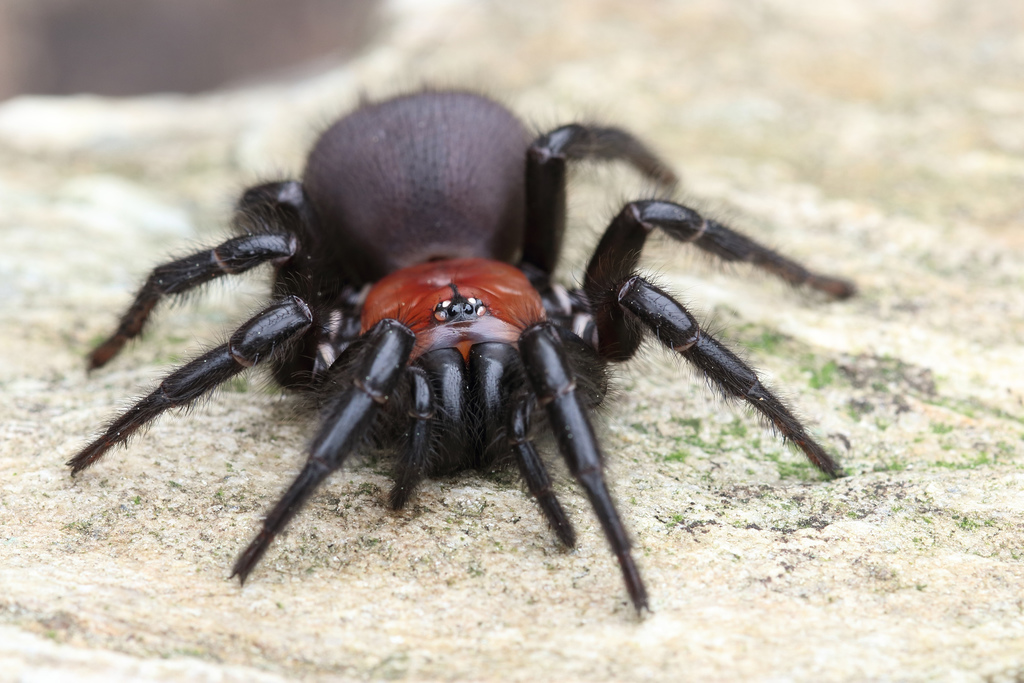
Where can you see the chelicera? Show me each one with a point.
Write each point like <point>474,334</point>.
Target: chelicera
<point>413,299</point>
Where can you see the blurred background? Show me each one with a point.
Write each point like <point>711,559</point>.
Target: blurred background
<point>132,47</point>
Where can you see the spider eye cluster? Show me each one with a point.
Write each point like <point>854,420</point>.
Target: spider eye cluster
<point>451,310</point>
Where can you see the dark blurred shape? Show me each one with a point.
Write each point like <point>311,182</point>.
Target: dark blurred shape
<point>133,47</point>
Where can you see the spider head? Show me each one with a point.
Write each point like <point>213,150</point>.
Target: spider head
<point>456,303</point>
<point>459,308</point>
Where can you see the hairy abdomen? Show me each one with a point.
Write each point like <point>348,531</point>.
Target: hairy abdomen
<point>423,177</point>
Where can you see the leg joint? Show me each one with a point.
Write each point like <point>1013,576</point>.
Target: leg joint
<point>240,358</point>
<point>556,393</point>
<point>379,397</point>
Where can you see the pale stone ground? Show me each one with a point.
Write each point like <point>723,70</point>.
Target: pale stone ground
<point>883,144</point>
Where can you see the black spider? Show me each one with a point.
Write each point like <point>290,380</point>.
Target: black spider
<point>413,297</point>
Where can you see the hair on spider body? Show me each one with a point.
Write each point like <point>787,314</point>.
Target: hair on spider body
<point>413,302</point>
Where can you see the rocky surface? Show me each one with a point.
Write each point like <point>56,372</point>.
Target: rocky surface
<point>882,143</point>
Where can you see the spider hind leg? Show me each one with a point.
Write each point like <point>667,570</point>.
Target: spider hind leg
<point>270,213</point>
<point>546,162</point>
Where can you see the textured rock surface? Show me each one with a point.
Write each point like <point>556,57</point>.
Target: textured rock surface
<point>885,144</point>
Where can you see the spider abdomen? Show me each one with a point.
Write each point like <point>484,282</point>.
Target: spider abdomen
<point>416,178</point>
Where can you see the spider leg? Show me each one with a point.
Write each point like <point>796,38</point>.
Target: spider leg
<point>545,181</point>
<point>411,466</point>
<point>309,363</point>
<point>255,341</point>
<point>491,367</point>
<point>365,387</point>
<point>618,254</point>
<point>551,378</point>
<point>678,330</point>
<point>269,242</point>
<point>449,381</point>
<point>533,470</point>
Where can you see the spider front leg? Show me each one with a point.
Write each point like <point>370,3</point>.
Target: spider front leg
<point>257,340</point>
<point>674,327</point>
<point>364,386</point>
<point>554,385</point>
<point>531,467</point>
<point>271,209</point>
